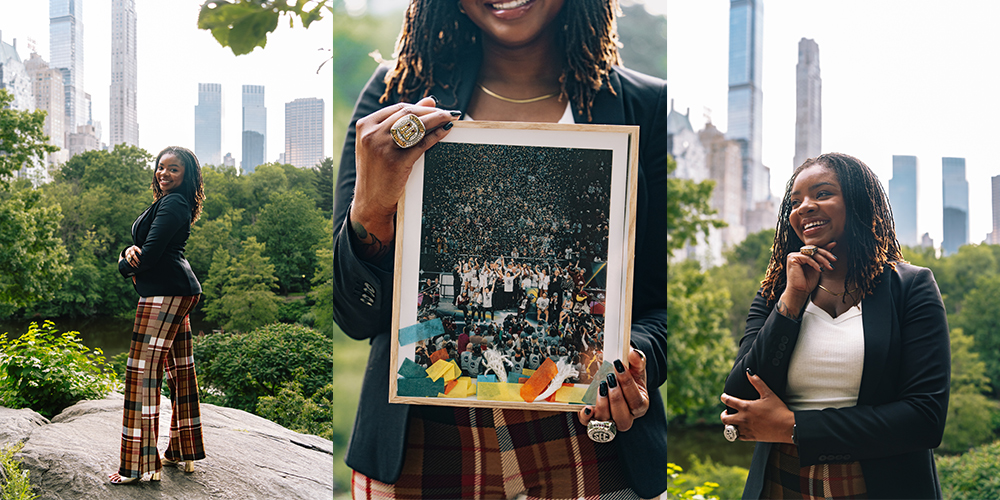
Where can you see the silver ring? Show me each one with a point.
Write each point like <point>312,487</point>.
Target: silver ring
<point>809,250</point>
<point>731,433</point>
<point>407,131</point>
<point>600,431</point>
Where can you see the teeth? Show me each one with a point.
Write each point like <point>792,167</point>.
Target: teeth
<point>814,224</point>
<point>509,5</point>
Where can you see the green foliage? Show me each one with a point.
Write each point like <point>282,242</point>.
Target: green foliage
<point>236,370</point>
<point>727,481</point>
<point>700,351</point>
<point>48,371</point>
<point>971,415</point>
<point>238,291</point>
<point>22,139</point>
<point>745,266</point>
<point>972,476</point>
<point>293,410</point>
<point>322,294</point>
<point>292,311</point>
<point>980,318</point>
<point>290,227</point>
<point>243,25</point>
<point>323,182</point>
<point>688,210</point>
<point>644,40</point>
<point>33,259</point>
<point>208,235</point>
<point>679,486</point>
<point>14,484</point>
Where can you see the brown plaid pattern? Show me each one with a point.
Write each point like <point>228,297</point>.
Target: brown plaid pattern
<point>786,479</point>
<point>161,338</point>
<point>498,454</point>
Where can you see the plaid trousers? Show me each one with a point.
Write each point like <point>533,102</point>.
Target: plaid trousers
<point>161,339</point>
<point>785,478</point>
<point>482,453</point>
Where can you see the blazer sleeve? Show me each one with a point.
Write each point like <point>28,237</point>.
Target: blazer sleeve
<point>910,420</point>
<point>765,348</point>
<point>171,215</point>
<point>362,291</point>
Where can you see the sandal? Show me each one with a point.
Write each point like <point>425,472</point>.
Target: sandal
<point>188,464</point>
<point>117,479</point>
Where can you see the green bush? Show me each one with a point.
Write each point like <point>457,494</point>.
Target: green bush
<point>293,410</point>
<point>14,483</point>
<point>681,486</point>
<point>47,371</point>
<point>235,370</point>
<point>972,476</point>
<point>727,481</point>
<point>292,311</point>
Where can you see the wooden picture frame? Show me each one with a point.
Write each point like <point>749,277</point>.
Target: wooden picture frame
<point>508,203</point>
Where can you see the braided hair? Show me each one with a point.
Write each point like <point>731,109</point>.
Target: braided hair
<point>193,188</point>
<point>871,234</point>
<point>436,35</point>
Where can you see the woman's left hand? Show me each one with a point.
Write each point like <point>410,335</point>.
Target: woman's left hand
<point>627,400</point>
<point>766,419</point>
<point>132,254</point>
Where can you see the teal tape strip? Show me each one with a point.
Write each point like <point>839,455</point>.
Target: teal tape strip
<point>421,331</point>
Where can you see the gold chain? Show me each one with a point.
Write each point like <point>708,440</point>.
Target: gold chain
<point>827,290</point>
<point>516,101</point>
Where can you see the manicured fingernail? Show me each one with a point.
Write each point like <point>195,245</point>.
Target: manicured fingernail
<point>831,266</point>
<point>612,380</point>
<point>619,367</point>
<point>586,411</point>
<point>447,126</point>
<point>603,389</point>
<point>455,113</point>
<point>436,102</point>
<point>749,371</point>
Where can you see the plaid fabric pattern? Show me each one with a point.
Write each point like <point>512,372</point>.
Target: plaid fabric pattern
<point>499,454</point>
<point>161,338</point>
<point>786,479</point>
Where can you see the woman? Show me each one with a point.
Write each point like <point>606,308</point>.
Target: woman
<point>847,347</point>
<point>487,61</point>
<point>161,337</point>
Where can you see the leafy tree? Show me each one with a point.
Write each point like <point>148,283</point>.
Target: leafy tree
<point>293,410</point>
<point>22,141</point>
<point>322,293</point>
<point>972,476</point>
<point>323,181</point>
<point>33,259</point>
<point>243,25</point>
<point>291,226</point>
<point>745,266</point>
<point>980,319</point>
<point>207,235</point>
<point>971,416</point>
<point>644,40</point>
<point>688,210</point>
<point>238,291</point>
<point>966,266</point>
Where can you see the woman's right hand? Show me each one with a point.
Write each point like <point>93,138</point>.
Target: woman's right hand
<point>802,274</point>
<point>383,167</point>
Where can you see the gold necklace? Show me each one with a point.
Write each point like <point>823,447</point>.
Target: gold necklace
<point>845,292</point>
<point>516,101</point>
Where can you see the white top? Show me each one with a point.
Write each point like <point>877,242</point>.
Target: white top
<point>567,116</point>
<point>826,365</point>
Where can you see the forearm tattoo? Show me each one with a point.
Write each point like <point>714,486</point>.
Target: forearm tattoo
<point>786,311</point>
<point>367,244</point>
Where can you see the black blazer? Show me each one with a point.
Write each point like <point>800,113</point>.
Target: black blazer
<point>161,231</point>
<point>903,400</point>
<point>362,292</point>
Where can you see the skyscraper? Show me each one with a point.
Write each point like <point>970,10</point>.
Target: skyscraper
<point>124,81</point>
<point>808,106</point>
<point>254,128</point>
<point>903,198</point>
<point>304,132</point>
<point>47,85</point>
<point>66,46</point>
<point>955,191</point>
<point>208,124</point>
<point>994,237</point>
<point>746,40</point>
<point>14,78</point>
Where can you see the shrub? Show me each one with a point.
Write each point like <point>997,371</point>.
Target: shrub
<point>47,371</point>
<point>727,481</point>
<point>293,410</point>
<point>14,483</point>
<point>971,476</point>
<point>236,370</point>
<point>678,486</point>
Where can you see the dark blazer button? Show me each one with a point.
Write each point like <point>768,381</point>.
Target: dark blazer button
<point>779,355</point>
<point>775,362</point>
<point>784,339</point>
<point>822,458</point>
<point>782,347</point>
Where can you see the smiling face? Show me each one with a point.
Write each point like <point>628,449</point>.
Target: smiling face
<point>818,212</point>
<point>512,23</point>
<point>169,173</point>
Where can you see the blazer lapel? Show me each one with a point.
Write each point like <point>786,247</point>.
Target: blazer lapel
<point>878,311</point>
<point>608,108</point>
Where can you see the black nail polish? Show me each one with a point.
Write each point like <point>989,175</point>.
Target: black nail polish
<point>619,367</point>
<point>436,101</point>
<point>612,380</point>
<point>831,266</point>
<point>455,113</point>
<point>749,371</point>
<point>603,389</point>
<point>586,411</point>
<point>447,126</point>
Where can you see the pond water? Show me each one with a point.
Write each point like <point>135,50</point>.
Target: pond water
<point>112,335</point>
<point>706,441</point>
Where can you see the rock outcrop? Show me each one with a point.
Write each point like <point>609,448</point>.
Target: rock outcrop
<point>248,457</point>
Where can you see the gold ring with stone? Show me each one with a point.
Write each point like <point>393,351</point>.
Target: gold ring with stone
<point>731,433</point>
<point>809,250</point>
<point>600,431</point>
<point>407,131</point>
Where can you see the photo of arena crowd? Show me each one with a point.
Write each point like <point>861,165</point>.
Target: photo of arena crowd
<point>514,245</point>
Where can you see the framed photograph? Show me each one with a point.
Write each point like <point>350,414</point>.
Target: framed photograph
<point>514,251</point>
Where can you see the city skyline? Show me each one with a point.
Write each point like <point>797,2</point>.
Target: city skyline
<point>888,88</point>
<point>169,73</point>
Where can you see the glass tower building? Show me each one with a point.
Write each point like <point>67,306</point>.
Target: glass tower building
<point>955,191</point>
<point>208,124</point>
<point>903,198</point>
<point>66,46</point>
<point>746,40</point>
<point>808,108</point>
<point>124,74</point>
<point>304,132</point>
<point>254,128</point>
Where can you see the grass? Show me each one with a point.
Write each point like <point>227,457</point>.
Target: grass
<point>14,483</point>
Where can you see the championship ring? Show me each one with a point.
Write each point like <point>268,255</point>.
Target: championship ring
<point>600,431</point>
<point>809,250</point>
<point>731,432</point>
<point>407,131</point>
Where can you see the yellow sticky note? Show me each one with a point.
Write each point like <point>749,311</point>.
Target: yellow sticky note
<point>455,372</point>
<point>527,372</point>
<point>499,391</point>
<point>439,369</point>
<point>567,394</point>
<point>463,388</point>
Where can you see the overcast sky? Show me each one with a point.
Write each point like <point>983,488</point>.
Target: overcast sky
<point>899,78</point>
<point>174,56</point>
